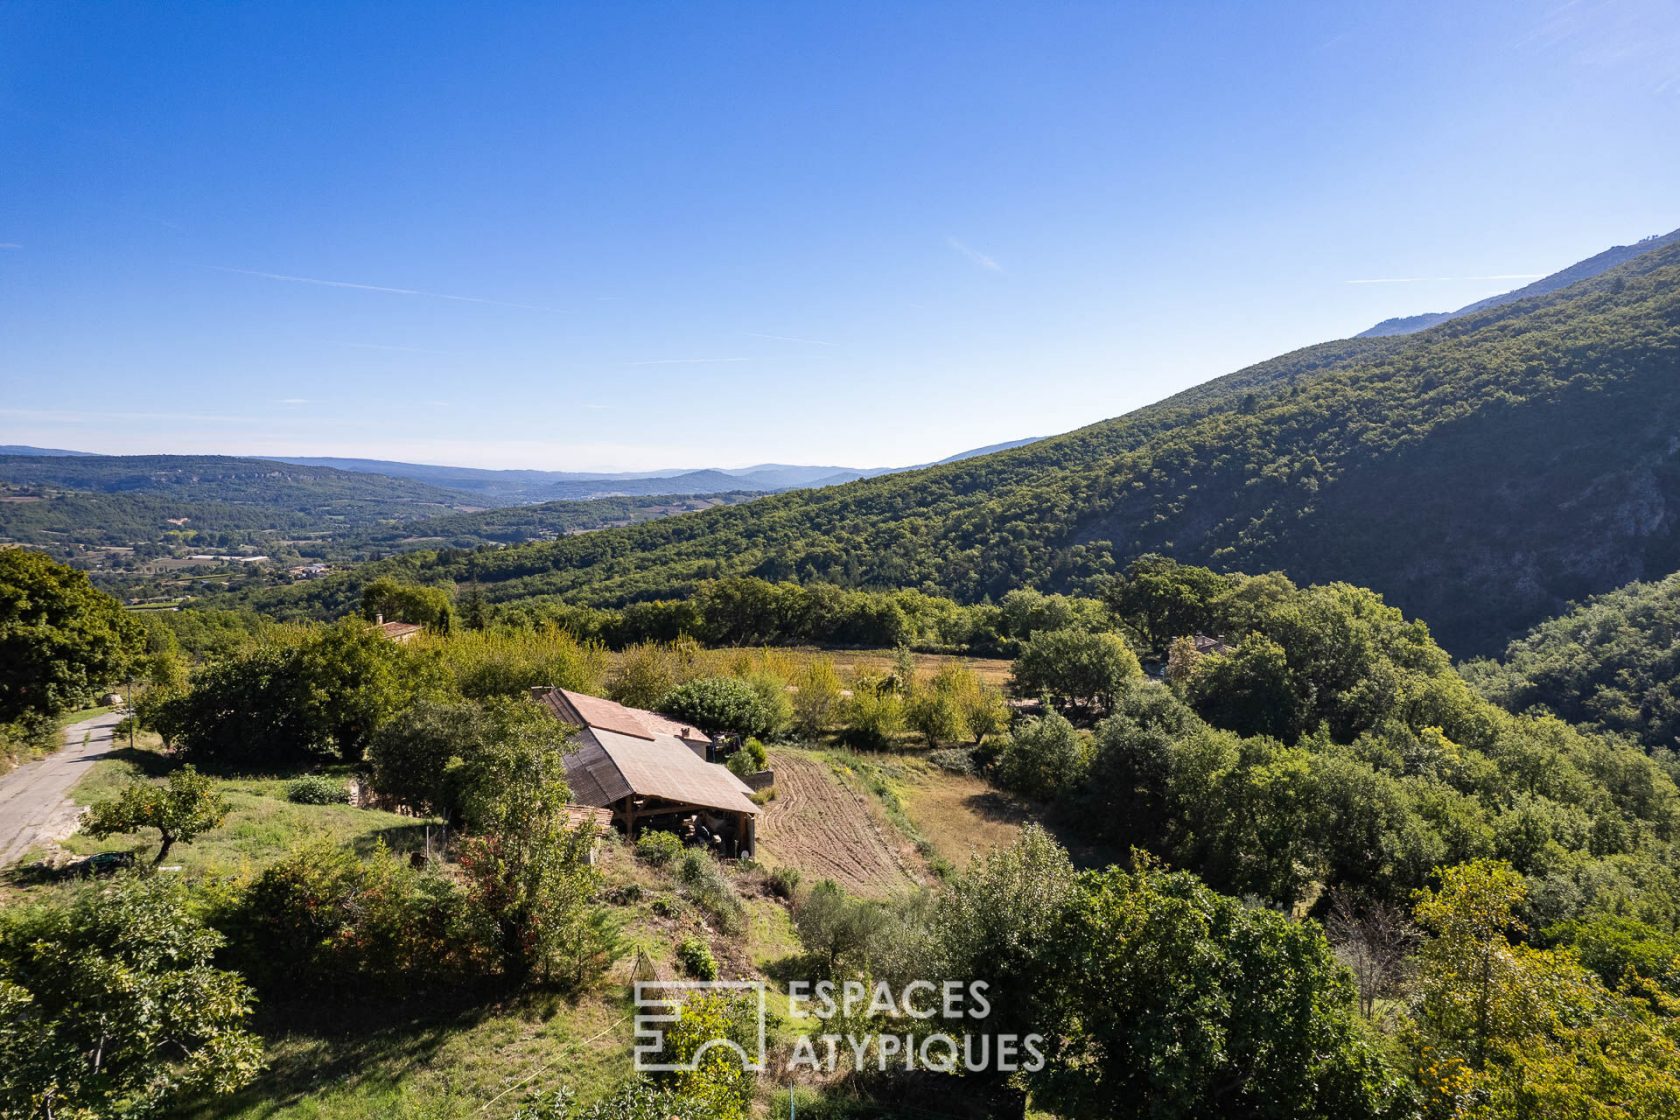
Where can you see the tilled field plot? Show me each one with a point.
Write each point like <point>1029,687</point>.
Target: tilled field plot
<point>829,831</point>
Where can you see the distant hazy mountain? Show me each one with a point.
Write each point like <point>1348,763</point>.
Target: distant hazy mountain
<point>24,449</point>
<point>979,451</point>
<point>1581,270</point>
<point>521,486</point>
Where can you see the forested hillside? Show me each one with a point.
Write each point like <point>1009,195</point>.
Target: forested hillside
<point>1612,662</point>
<point>314,492</point>
<point>1481,475</point>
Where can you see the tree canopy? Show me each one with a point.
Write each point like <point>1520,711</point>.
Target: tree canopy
<point>60,639</point>
<point>112,1006</point>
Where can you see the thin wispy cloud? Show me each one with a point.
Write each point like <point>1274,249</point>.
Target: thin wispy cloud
<point>294,401</point>
<point>398,349</point>
<point>974,255</point>
<point>1447,279</point>
<point>689,361</point>
<point>10,245</point>
<point>1615,34</point>
<point>790,338</point>
<point>317,281</point>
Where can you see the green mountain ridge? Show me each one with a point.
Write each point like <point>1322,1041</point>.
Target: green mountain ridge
<point>1480,474</point>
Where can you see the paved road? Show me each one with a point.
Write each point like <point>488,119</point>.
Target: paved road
<point>35,805</point>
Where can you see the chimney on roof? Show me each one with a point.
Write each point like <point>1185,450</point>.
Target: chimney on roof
<point>379,618</point>
<point>538,691</point>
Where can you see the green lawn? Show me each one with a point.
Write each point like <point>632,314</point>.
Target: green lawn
<point>367,1060</point>
<point>262,825</point>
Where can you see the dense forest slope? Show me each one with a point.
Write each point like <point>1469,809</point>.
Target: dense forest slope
<point>1611,662</point>
<point>1480,474</point>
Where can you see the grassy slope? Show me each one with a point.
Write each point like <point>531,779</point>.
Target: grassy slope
<point>1480,474</point>
<point>357,1059</point>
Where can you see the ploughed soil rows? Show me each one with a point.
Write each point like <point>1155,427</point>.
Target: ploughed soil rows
<point>827,830</point>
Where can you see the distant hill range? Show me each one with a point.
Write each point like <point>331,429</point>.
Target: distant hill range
<point>1583,270</point>
<point>66,501</point>
<point>519,486</point>
<point>22,449</point>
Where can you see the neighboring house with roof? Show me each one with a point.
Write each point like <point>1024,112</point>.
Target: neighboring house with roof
<point>1211,646</point>
<point>651,771</point>
<point>398,631</point>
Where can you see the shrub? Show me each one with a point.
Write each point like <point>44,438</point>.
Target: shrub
<point>696,958</point>
<point>706,1071</point>
<point>318,789</point>
<point>705,885</point>
<point>625,894</point>
<point>784,882</point>
<point>110,1005</point>
<point>874,716</point>
<point>1043,758</point>
<point>322,918</point>
<point>954,760</point>
<point>658,848</point>
<point>776,707</point>
<point>816,697</point>
<point>30,734</point>
<point>634,1100</point>
<point>937,716</point>
<point>750,759</point>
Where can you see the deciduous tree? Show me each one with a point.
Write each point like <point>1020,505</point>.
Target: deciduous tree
<point>61,639</point>
<point>184,808</point>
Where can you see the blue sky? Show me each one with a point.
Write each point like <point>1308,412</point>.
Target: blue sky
<point>650,235</point>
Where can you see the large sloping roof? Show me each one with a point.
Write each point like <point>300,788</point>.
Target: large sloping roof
<point>595,711</point>
<point>620,752</point>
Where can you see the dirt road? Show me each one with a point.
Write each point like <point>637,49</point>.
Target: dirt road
<point>35,805</point>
